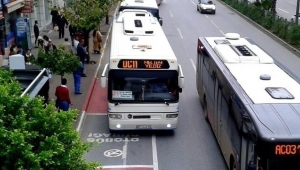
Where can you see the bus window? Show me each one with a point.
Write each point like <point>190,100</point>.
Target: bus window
<point>145,86</point>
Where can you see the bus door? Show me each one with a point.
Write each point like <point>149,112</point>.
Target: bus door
<point>199,73</point>
<point>248,157</point>
<point>216,113</point>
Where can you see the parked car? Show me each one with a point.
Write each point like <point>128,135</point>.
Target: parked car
<point>206,6</point>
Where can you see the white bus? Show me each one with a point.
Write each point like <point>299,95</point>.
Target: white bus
<point>144,77</point>
<point>148,5</point>
<point>252,105</point>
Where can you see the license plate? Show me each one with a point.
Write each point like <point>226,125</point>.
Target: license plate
<point>143,126</point>
<point>208,10</point>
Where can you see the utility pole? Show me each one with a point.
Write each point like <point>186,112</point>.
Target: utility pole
<point>297,12</point>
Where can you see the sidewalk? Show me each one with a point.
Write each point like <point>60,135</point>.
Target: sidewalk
<point>78,101</point>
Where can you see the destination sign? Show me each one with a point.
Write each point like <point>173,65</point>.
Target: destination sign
<point>144,64</point>
<point>287,150</point>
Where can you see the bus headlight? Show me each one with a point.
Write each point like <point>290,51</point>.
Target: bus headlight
<point>115,116</point>
<point>172,115</point>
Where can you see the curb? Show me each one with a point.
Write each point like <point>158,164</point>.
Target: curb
<point>267,32</point>
<point>87,100</point>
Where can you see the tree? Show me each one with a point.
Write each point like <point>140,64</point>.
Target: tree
<point>86,15</point>
<point>59,61</point>
<point>35,136</point>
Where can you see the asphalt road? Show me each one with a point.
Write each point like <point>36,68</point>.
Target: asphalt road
<point>192,145</point>
<point>286,8</point>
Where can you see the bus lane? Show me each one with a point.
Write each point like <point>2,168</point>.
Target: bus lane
<point>126,150</point>
<point>115,148</point>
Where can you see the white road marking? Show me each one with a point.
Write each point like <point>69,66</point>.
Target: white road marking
<point>171,13</point>
<point>222,32</point>
<point>154,153</point>
<point>180,33</point>
<point>193,2</point>
<point>193,64</point>
<point>206,16</point>
<point>292,3</point>
<point>283,10</point>
<point>214,23</point>
<point>124,152</point>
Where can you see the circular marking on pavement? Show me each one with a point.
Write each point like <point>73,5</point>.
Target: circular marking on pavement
<point>113,153</point>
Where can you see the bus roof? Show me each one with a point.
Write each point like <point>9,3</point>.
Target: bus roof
<point>139,3</point>
<point>138,35</point>
<point>255,71</point>
<point>275,95</point>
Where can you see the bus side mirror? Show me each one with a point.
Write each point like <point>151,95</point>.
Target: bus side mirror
<point>103,82</point>
<point>160,21</point>
<point>103,77</point>
<point>180,77</point>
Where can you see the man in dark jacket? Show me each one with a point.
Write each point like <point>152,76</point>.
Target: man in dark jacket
<point>77,78</point>
<point>54,13</point>
<point>61,22</point>
<point>72,31</point>
<point>81,53</point>
<point>36,31</point>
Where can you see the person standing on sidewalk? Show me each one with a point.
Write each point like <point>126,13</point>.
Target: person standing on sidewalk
<point>50,47</point>
<point>61,22</point>
<point>63,97</point>
<point>77,78</point>
<point>97,41</point>
<point>72,31</point>
<point>54,13</point>
<point>81,53</point>
<point>36,32</point>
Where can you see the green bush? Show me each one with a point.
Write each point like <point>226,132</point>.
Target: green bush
<point>282,28</point>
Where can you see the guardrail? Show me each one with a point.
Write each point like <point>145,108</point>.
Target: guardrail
<point>33,82</point>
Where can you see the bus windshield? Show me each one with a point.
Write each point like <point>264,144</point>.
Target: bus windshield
<point>153,11</point>
<point>154,86</point>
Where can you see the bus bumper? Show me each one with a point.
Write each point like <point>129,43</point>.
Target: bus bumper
<point>169,124</point>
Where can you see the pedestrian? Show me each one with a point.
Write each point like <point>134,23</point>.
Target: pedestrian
<point>97,40</point>
<point>50,47</point>
<point>13,50</point>
<point>28,57</point>
<point>72,31</point>
<point>82,54</point>
<point>77,78</point>
<point>68,46</point>
<point>61,22</point>
<point>36,32</point>
<point>54,13</point>
<point>76,42</point>
<point>21,51</point>
<point>63,100</point>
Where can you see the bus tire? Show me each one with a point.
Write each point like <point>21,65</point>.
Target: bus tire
<point>205,110</point>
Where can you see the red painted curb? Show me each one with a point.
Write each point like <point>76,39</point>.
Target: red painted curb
<point>88,98</point>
